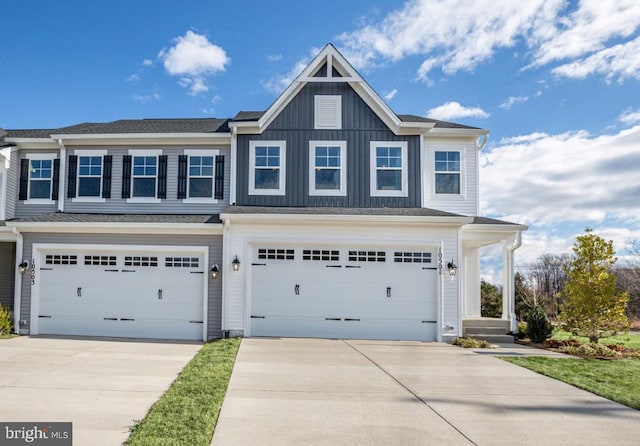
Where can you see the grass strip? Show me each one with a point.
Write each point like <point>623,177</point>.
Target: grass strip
<point>616,380</point>
<point>188,412</point>
<point>628,340</point>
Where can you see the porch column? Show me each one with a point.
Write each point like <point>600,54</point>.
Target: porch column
<point>508,277</point>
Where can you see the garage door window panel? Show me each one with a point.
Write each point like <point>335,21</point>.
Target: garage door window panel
<point>324,255</point>
<point>276,254</point>
<point>147,261</point>
<point>412,257</point>
<point>61,259</point>
<point>367,256</point>
<point>182,262</point>
<point>97,260</point>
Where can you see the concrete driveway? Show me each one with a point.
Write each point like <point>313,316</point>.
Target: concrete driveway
<point>101,386</point>
<point>331,392</point>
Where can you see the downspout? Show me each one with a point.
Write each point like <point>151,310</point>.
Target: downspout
<point>61,182</point>
<point>512,292</point>
<point>17,282</point>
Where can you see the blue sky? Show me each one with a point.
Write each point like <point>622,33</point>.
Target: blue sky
<point>556,82</point>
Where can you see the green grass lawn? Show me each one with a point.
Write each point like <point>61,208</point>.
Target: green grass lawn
<point>188,412</point>
<point>616,380</point>
<point>628,340</point>
<point>8,336</point>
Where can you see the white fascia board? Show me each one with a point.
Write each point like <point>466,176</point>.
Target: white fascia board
<point>346,219</point>
<point>119,228</point>
<point>34,143</point>
<point>494,228</point>
<point>7,234</point>
<point>146,138</point>
<point>474,133</point>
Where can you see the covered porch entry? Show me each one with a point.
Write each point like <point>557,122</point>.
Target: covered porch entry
<point>481,233</point>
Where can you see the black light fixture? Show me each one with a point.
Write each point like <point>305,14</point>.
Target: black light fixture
<point>452,267</point>
<point>235,264</point>
<point>215,270</point>
<point>23,267</point>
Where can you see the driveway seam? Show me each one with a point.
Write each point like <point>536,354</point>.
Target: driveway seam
<point>416,396</point>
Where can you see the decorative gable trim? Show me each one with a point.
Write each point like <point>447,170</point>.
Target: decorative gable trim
<point>333,60</point>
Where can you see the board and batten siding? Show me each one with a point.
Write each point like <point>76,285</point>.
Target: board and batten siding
<point>7,270</point>
<point>241,238</point>
<point>467,202</point>
<point>171,205</point>
<point>360,126</point>
<point>214,242</point>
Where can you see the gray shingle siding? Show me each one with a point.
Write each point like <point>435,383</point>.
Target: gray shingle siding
<point>360,126</point>
<point>214,242</point>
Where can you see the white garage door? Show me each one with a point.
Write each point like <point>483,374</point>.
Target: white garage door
<point>349,293</point>
<point>121,293</point>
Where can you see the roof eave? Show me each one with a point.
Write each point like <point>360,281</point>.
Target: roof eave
<point>116,227</point>
<point>342,218</point>
<point>439,131</point>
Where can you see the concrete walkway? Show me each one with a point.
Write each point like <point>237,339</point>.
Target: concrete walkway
<point>331,392</point>
<point>101,386</point>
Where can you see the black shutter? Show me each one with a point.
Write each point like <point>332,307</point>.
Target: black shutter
<point>55,184</point>
<point>72,176</point>
<point>24,179</point>
<point>106,176</point>
<point>219,178</point>
<point>182,176</point>
<point>126,176</point>
<point>162,176</point>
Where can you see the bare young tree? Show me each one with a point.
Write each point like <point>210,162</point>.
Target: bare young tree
<point>628,273</point>
<point>548,277</point>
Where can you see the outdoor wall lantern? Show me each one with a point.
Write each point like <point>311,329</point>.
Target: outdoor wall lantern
<point>235,264</point>
<point>452,267</point>
<point>215,270</point>
<point>23,267</point>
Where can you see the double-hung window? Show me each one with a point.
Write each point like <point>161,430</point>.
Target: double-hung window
<point>447,172</point>
<point>200,177</point>
<point>39,178</point>
<point>327,167</point>
<point>388,176</point>
<point>89,176</point>
<point>144,176</point>
<point>267,172</point>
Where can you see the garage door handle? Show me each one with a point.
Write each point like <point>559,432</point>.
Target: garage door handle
<point>126,319</point>
<point>347,319</point>
<point>389,291</point>
<point>332,319</point>
<point>258,317</point>
<point>196,322</point>
<point>110,318</point>
<point>79,291</point>
<point>433,268</point>
<point>334,266</point>
<point>353,266</point>
<point>428,322</point>
<point>46,317</point>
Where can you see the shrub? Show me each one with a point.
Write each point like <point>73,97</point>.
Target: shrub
<point>591,350</point>
<point>6,321</point>
<point>539,328</point>
<point>471,343</point>
<point>521,330</point>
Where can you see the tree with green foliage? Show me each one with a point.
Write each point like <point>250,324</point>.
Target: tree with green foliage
<point>490,300</point>
<point>592,306</point>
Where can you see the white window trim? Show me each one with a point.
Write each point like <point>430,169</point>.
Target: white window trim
<point>343,169</point>
<point>337,99</point>
<point>432,173</point>
<point>252,167</point>
<point>40,156</point>
<point>78,198</point>
<point>213,153</point>
<point>404,192</point>
<point>144,152</point>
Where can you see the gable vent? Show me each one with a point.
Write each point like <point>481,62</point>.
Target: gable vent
<point>328,112</point>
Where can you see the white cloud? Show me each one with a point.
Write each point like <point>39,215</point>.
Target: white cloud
<point>144,98</point>
<point>274,57</point>
<point>574,177</point>
<point>278,83</point>
<point>589,37</point>
<point>147,63</point>
<point>135,77</point>
<point>453,110</point>
<point>390,94</point>
<point>630,116</point>
<point>512,100</point>
<point>193,57</point>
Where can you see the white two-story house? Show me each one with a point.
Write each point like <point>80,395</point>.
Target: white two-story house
<point>326,215</point>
